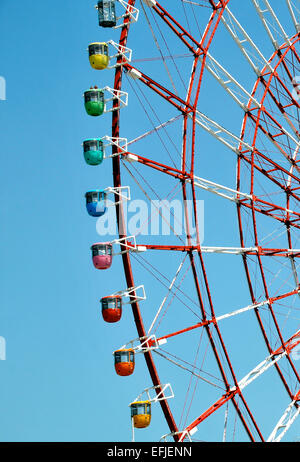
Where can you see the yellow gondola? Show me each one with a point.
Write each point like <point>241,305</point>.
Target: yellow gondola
<point>98,55</point>
<point>141,413</point>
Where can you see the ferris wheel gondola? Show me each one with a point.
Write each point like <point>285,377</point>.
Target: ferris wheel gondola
<point>265,199</point>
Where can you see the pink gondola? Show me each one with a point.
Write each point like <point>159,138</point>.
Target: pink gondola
<point>102,255</point>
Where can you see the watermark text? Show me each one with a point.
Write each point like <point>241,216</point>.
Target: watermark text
<point>156,218</point>
<point>2,349</point>
<point>2,88</point>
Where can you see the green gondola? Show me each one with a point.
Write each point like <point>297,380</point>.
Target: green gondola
<point>94,101</point>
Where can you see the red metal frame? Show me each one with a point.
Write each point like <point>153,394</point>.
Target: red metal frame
<point>122,233</point>
<point>213,320</point>
<point>264,252</point>
<point>288,346</point>
<point>258,162</point>
<point>266,80</point>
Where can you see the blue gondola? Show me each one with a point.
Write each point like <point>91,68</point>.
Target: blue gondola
<point>96,203</point>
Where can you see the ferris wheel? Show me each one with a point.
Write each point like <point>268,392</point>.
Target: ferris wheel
<point>212,93</point>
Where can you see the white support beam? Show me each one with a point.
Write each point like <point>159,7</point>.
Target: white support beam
<point>239,94</point>
<point>260,369</point>
<point>292,126</point>
<point>123,51</point>
<point>113,94</point>
<point>220,133</point>
<point>229,250</point>
<point>223,191</point>
<point>249,307</point>
<point>165,392</point>
<point>242,39</point>
<point>293,342</point>
<point>265,12</point>
<point>155,129</point>
<point>248,48</point>
<point>220,190</point>
<point>285,422</point>
<point>134,74</point>
<point>225,424</point>
<point>120,143</point>
<point>233,142</point>
<point>166,296</point>
<point>123,192</point>
<point>128,244</point>
<point>142,344</point>
<point>242,310</point>
<point>134,294</point>
<point>169,436</point>
<point>266,252</point>
<point>131,12</point>
<point>295,14</point>
<point>150,3</point>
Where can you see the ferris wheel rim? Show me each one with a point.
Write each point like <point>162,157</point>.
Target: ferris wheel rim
<point>122,234</point>
<point>281,54</point>
<point>126,258</point>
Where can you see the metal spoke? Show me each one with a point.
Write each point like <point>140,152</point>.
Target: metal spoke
<point>288,418</point>
<point>295,13</point>
<point>262,12</point>
<point>267,185</point>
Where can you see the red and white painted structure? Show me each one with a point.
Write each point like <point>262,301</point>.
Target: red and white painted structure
<point>266,191</point>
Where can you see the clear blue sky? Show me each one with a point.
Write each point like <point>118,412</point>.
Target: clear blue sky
<point>58,381</point>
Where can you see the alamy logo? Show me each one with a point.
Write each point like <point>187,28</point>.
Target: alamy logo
<point>2,88</point>
<point>2,349</point>
<point>155,218</point>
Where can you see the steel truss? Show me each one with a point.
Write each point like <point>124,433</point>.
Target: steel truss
<point>282,174</point>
